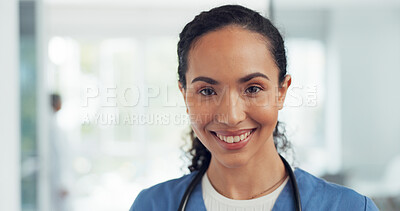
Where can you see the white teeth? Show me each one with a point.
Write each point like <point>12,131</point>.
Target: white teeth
<point>233,139</point>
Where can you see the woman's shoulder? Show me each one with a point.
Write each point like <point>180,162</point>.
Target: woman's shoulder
<point>314,190</point>
<point>165,195</point>
<point>321,186</point>
<point>171,185</point>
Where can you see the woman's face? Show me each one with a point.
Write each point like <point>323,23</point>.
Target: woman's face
<point>232,94</point>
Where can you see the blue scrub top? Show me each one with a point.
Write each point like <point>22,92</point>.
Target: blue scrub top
<point>315,194</point>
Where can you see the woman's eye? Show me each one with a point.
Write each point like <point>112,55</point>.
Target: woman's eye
<point>207,92</point>
<point>253,90</point>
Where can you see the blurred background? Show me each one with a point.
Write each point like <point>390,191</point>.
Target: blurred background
<point>91,112</point>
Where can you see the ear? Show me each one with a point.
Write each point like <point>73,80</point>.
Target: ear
<point>183,91</point>
<point>282,90</point>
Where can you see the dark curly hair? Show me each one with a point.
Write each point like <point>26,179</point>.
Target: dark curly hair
<point>213,20</point>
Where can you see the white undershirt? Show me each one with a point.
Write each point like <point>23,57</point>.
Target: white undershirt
<point>214,201</point>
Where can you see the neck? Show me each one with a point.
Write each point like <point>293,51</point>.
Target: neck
<point>263,171</point>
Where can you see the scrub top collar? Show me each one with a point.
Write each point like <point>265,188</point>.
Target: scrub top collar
<point>283,202</point>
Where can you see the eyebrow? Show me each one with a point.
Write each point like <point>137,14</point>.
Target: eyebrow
<point>241,80</point>
<point>205,79</point>
<point>251,76</point>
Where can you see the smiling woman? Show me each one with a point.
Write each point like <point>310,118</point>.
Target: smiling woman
<point>237,98</point>
<point>232,75</point>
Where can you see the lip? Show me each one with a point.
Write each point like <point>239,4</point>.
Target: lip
<point>233,146</point>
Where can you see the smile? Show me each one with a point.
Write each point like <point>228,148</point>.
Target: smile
<point>232,137</point>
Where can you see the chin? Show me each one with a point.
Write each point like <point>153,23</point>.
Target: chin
<point>232,161</point>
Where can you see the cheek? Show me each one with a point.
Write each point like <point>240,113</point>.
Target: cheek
<point>265,116</point>
<point>265,111</point>
<point>200,115</point>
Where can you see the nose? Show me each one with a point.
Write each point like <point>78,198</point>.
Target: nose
<point>230,110</point>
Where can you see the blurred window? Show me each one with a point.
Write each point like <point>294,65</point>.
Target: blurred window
<point>123,113</point>
<point>304,111</point>
<point>28,87</point>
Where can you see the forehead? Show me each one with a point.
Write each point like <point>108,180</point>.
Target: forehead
<point>230,52</point>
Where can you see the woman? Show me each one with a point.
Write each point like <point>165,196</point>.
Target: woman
<point>232,75</point>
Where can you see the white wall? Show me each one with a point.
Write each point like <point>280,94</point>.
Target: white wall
<point>363,58</point>
<point>115,18</point>
<point>368,44</point>
<point>9,107</point>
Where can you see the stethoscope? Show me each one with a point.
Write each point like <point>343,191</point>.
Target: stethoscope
<point>202,171</point>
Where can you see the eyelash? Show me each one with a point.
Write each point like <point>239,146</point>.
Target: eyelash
<point>258,87</point>
<point>206,89</point>
<point>210,89</point>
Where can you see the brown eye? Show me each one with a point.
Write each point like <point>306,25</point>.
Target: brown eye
<point>253,90</point>
<point>207,92</point>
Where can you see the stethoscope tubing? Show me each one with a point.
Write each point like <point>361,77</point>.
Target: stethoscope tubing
<point>192,185</point>
<point>294,184</point>
<point>196,180</point>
